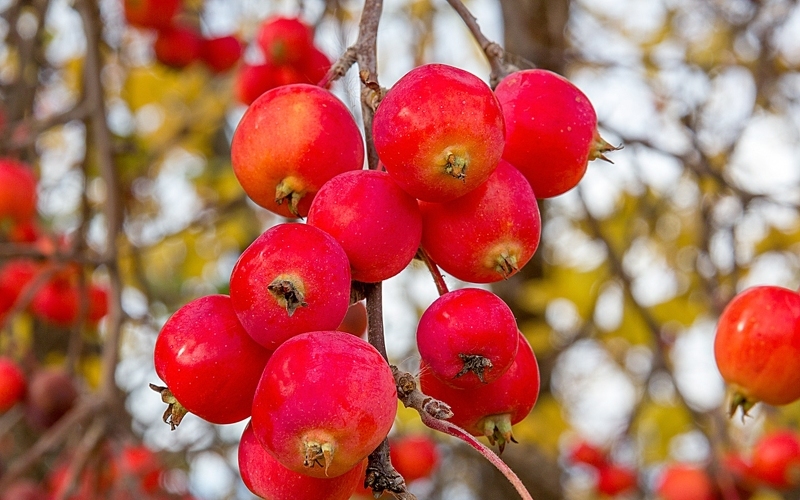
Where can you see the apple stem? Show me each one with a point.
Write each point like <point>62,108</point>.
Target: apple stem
<point>438,278</point>
<point>456,431</point>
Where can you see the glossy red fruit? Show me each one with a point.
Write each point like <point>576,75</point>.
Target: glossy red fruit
<point>14,277</point>
<point>589,454</point>
<point>208,361</point>
<point>178,46</point>
<point>156,14</point>
<point>439,132</point>
<point>355,320</point>
<point>291,141</point>
<point>138,467</point>
<point>252,81</point>
<point>468,337</point>
<point>326,400</point>
<point>17,192</point>
<point>285,40</point>
<point>58,302</point>
<point>414,456</point>
<point>294,278</point>
<point>776,460</point>
<point>315,66</point>
<point>551,130</point>
<point>266,477</point>
<point>757,346</point>
<point>378,224</point>
<point>488,234</point>
<point>12,384</point>
<point>221,53</point>
<point>491,409</point>
<point>614,479</point>
<point>51,393</point>
<point>684,482</point>
<point>25,489</point>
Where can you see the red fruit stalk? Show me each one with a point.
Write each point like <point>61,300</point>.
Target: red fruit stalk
<point>290,142</point>
<point>378,225</point>
<point>325,401</point>
<point>267,478</point>
<point>439,132</point>
<point>551,130</point>
<point>757,347</point>
<point>488,234</point>
<point>294,278</point>
<point>210,364</point>
<point>468,337</point>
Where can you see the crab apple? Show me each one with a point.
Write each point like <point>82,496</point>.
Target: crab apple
<point>491,409</point>
<point>251,81</point>
<point>589,454</point>
<point>294,278</point>
<point>267,478</point>
<point>138,465</point>
<point>291,141</point>
<point>221,53</point>
<point>51,393</point>
<point>325,401</point>
<point>439,132</point>
<point>156,14</point>
<point>355,320</point>
<point>17,192</point>
<point>414,456</point>
<point>12,384</point>
<point>285,40</point>
<point>377,223</point>
<point>776,460</point>
<point>315,66</point>
<point>684,482</point>
<point>14,277</point>
<point>210,364</point>
<point>551,130</point>
<point>468,337</point>
<point>757,346</point>
<point>614,479</point>
<point>178,46</point>
<point>488,234</point>
<point>58,302</point>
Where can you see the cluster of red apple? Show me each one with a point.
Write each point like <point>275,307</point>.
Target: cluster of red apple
<point>121,471</point>
<point>455,188</point>
<point>290,56</point>
<point>774,463</point>
<point>178,44</point>
<point>757,347</point>
<point>49,289</point>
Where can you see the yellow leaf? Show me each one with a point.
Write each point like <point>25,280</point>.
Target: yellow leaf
<point>543,426</point>
<point>656,425</point>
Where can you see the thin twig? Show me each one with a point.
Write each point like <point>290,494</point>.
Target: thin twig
<point>436,274</point>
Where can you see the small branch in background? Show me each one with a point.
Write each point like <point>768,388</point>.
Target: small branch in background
<point>494,52</point>
<point>101,139</point>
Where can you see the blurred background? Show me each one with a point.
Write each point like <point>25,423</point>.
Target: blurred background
<point>135,190</point>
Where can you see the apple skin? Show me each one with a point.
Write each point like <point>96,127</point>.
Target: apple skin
<point>439,132</point>
<point>290,142</point>
<point>178,47</point>
<point>17,192</point>
<point>154,14</point>
<point>221,53</point>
